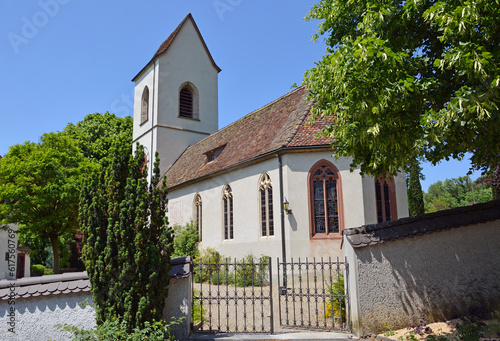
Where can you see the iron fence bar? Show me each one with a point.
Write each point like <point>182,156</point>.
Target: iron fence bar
<point>331,292</point>
<point>271,294</point>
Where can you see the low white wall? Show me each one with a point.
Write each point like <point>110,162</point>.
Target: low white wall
<point>441,275</point>
<point>178,306</point>
<point>35,318</point>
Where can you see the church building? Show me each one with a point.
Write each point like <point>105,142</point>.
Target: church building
<point>263,185</point>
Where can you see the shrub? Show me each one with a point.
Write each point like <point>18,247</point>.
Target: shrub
<point>336,305</point>
<point>251,271</point>
<point>113,329</point>
<point>186,240</point>
<point>39,269</point>
<point>210,258</point>
<point>218,270</point>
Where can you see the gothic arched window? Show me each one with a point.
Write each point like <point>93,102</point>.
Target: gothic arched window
<point>325,200</point>
<point>198,213</point>
<point>145,105</point>
<point>266,206</point>
<point>385,196</point>
<point>227,201</point>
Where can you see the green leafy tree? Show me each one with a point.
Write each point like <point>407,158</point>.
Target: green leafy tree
<point>408,79</point>
<point>127,244</point>
<point>96,133</point>
<point>39,188</point>
<point>455,192</point>
<point>415,193</point>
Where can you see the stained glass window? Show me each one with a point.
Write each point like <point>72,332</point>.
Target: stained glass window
<point>385,199</point>
<point>325,200</point>
<point>198,214</point>
<point>227,199</point>
<point>266,206</point>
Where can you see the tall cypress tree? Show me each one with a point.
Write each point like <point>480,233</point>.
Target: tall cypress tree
<point>415,194</point>
<point>127,243</point>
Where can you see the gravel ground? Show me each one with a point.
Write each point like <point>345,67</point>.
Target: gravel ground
<point>238,309</point>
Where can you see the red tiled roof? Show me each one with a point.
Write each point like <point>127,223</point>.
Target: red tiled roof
<point>278,125</point>
<point>166,44</point>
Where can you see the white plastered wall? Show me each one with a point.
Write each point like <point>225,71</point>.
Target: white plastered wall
<point>358,199</point>
<point>186,60</point>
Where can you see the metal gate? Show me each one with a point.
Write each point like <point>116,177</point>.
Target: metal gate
<point>239,296</point>
<point>233,297</point>
<point>313,294</point>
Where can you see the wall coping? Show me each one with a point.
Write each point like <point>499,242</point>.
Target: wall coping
<point>422,224</point>
<point>70,282</point>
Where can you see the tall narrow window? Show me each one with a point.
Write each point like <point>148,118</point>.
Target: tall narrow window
<point>227,199</point>
<point>324,191</point>
<point>145,105</point>
<point>186,102</point>
<point>198,211</point>
<point>266,206</point>
<point>385,196</point>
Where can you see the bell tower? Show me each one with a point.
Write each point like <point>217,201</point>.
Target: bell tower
<point>176,96</point>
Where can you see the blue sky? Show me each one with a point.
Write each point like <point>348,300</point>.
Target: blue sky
<point>64,59</point>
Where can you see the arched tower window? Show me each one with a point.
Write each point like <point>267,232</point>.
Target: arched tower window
<point>266,206</point>
<point>325,200</point>
<point>188,101</point>
<point>227,201</point>
<point>145,105</point>
<point>198,212</point>
<point>385,196</point>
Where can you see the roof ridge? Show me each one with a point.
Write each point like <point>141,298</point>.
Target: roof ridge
<point>221,130</point>
<point>302,119</point>
<point>261,108</point>
<point>167,42</point>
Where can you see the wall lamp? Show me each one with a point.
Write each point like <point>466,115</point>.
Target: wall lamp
<point>286,207</point>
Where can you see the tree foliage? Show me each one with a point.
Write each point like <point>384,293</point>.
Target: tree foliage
<point>186,240</point>
<point>40,185</point>
<point>415,193</point>
<point>457,192</point>
<point>407,79</point>
<point>127,244</point>
<point>96,133</point>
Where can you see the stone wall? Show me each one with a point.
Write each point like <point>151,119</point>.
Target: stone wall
<point>396,279</point>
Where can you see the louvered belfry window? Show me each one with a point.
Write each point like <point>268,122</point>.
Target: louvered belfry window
<point>186,102</point>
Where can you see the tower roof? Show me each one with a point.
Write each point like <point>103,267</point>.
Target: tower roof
<point>168,42</point>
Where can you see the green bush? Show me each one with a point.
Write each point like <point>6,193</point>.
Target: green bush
<point>251,271</point>
<point>218,270</point>
<point>39,269</point>
<point>336,305</point>
<point>112,330</point>
<point>210,258</point>
<point>186,240</point>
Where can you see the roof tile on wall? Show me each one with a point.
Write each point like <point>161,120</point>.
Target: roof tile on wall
<point>423,224</point>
